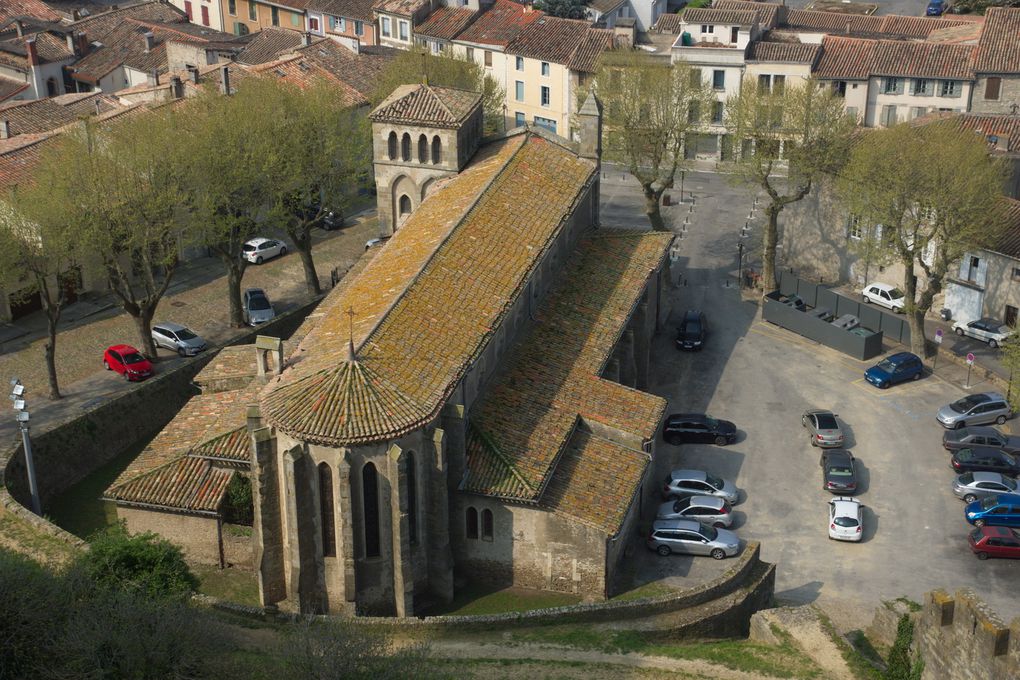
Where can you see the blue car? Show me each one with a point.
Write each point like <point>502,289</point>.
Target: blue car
<point>1001,510</point>
<point>936,8</point>
<point>894,369</point>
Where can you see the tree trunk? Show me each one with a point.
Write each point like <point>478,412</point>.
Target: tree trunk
<point>50,350</point>
<point>143,324</point>
<point>770,238</point>
<point>303,244</point>
<point>234,274</point>
<point>914,314</point>
<point>653,211</point>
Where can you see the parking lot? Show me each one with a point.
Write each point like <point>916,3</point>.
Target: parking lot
<point>763,378</point>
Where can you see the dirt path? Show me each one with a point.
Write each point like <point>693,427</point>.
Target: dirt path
<point>805,626</point>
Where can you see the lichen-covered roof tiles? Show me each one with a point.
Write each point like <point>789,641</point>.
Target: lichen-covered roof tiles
<point>705,15</point>
<point>768,12</point>
<point>269,44</point>
<point>426,306</point>
<point>550,39</point>
<point>845,58</point>
<point>187,484</point>
<point>404,8</point>
<point>427,104</point>
<point>551,387</point>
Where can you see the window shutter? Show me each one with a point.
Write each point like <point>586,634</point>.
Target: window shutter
<point>992,86</point>
<point>899,86</point>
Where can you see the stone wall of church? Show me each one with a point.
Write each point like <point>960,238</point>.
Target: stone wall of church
<point>198,537</point>
<point>527,547</point>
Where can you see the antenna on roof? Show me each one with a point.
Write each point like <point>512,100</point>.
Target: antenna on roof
<point>351,357</point>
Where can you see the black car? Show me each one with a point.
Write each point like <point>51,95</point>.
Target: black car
<point>684,428</point>
<point>985,460</point>
<point>969,437</point>
<point>691,332</point>
<point>839,475</point>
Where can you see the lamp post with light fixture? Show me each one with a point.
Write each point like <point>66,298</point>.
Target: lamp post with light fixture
<point>21,406</point>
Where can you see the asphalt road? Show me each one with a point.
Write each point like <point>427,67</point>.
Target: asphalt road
<point>763,378</point>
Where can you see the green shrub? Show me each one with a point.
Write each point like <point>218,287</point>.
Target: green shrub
<point>31,598</point>
<point>239,507</point>
<point>900,666</point>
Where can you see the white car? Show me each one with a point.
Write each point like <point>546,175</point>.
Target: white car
<point>885,295</point>
<point>259,250</point>
<point>989,330</point>
<point>845,520</point>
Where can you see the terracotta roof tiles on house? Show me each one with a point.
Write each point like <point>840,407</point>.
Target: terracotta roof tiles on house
<point>445,23</point>
<point>585,58</point>
<point>1001,131</point>
<point>551,387</point>
<point>499,24</point>
<point>782,52</point>
<point>768,12</point>
<point>10,87</point>
<point>427,305</point>
<point>359,71</point>
<point>98,25</point>
<point>302,72</point>
<point>48,47</point>
<point>43,115</point>
<point>999,46</point>
<point>12,9</point>
<point>605,6</point>
<point>923,60</point>
<point>550,38</point>
<point>1009,241</point>
<point>351,9</point>
<point>187,484</point>
<point>891,25</point>
<point>269,44</point>
<point>706,15</point>
<point>845,59</point>
<point>404,8</point>
<point>427,104</point>
<point>669,23</point>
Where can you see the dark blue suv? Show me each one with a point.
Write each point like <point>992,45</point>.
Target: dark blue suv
<point>894,369</point>
<point>936,8</point>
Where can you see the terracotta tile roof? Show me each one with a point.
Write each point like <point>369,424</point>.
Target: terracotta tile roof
<point>427,304</point>
<point>1003,127</point>
<point>43,115</point>
<point>446,22</point>
<point>427,104</point>
<point>845,59</point>
<point>706,15</point>
<point>269,44</point>
<point>796,53</point>
<point>1009,241</point>
<point>359,71</point>
<point>49,48</point>
<point>98,25</point>
<point>12,9</point>
<point>352,9</point>
<point>595,482</point>
<point>605,6</point>
<point>999,47</point>
<point>586,56</point>
<point>499,24</point>
<point>10,87</point>
<point>669,23</point>
<point>301,71</point>
<point>404,8</point>
<point>968,33</point>
<point>550,38</point>
<point>19,156</point>
<point>768,12</point>
<point>232,446</point>
<point>551,386</point>
<point>890,25</point>
<point>237,361</point>
<point>188,484</point>
<point>919,59</point>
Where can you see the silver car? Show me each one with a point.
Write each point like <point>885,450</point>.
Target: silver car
<point>257,308</point>
<point>687,537</point>
<point>971,486</point>
<point>682,483</point>
<point>989,330</point>
<point>709,510</point>
<point>178,338</point>
<point>975,409</point>
<point>823,428</point>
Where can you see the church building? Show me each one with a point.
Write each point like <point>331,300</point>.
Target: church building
<point>465,405</point>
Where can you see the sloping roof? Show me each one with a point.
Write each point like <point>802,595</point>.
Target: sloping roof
<point>923,60</point>
<point>669,23</point>
<point>605,6</point>
<point>19,157</point>
<point>302,71</point>
<point>890,25</point>
<point>706,15</point>
<point>187,484</point>
<point>550,38</point>
<point>12,9</point>
<point>269,44</point>
<point>403,8</point>
<point>49,48</point>
<point>445,23</point>
<point>768,12</point>
<point>10,87</point>
<point>426,305</point>
<point>1009,241</point>
<point>98,25</point>
<point>353,9</point>
<point>999,46</point>
<point>427,104</point>
<point>794,53</point>
<point>845,58</point>
<point>500,23</point>
<point>1004,128</point>
<point>586,56</point>
<point>359,71</point>
<point>551,386</point>
<point>43,115</point>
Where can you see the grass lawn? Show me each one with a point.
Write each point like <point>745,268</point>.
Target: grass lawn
<point>477,600</point>
<point>230,584</point>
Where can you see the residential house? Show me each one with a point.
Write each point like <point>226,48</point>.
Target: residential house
<point>987,282</point>
<point>396,20</point>
<point>12,10</point>
<point>437,32</point>
<point>242,17</point>
<point>484,41</point>
<point>207,13</point>
<point>644,12</point>
<point>32,63</point>
<point>269,44</point>
<point>343,20</point>
<point>997,66</point>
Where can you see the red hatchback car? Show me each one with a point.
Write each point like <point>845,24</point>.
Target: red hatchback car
<point>989,541</point>
<point>127,361</point>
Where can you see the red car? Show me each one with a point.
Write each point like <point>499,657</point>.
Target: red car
<point>127,361</point>
<point>989,541</point>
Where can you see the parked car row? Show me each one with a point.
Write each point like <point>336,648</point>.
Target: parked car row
<point>839,474</point>
<point>696,516</point>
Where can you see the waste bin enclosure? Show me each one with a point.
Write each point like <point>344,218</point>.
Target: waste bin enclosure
<point>861,346</point>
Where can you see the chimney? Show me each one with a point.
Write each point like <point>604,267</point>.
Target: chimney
<point>150,41</point>
<point>5,129</point>
<point>19,28</point>
<point>75,15</point>
<point>83,43</point>
<point>224,79</point>
<point>306,39</point>
<point>193,74</point>
<point>33,56</point>
<point>176,87</point>
<point>99,108</point>
<point>590,120</point>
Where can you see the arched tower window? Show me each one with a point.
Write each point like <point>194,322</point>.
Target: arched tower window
<point>412,499</point>
<point>405,205</point>
<point>392,146</point>
<point>437,150</point>
<point>471,530</point>
<point>326,510</point>
<point>370,501</point>
<point>405,147</point>
<point>423,149</point>
<point>486,525</point>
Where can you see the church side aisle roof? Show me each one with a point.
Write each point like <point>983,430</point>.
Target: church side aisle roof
<point>427,304</point>
<point>536,409</point>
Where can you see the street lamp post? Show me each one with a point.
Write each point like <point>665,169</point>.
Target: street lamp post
<point>740,265</point>
<point>21,406</point>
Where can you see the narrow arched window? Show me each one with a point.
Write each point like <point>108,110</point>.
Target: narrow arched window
<point>392,146</point>
<point>472,523</point>
<point>405,147</point>
<point>405,205</point>
<point>423,149</point>
<point>486,525</point>
<point>326,511</point>
<point>412,500</point>
<point>370,501</point>
<point>437,150</point>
